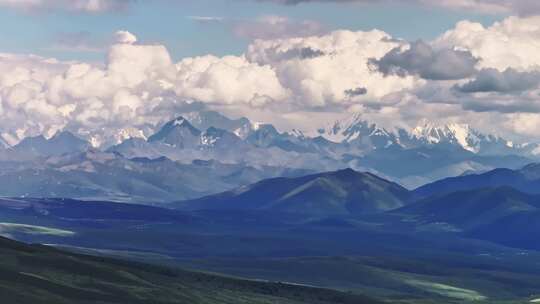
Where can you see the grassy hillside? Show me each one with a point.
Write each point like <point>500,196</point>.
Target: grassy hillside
<point>342,192</point>
<point>38,274</point>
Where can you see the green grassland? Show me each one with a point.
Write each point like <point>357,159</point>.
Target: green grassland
<point>39,274</point>
<point>401,258</point>
<point>447,279</point>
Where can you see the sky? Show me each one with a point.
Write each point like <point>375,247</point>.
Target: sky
<point>106,67</point>
<point>191,28</point>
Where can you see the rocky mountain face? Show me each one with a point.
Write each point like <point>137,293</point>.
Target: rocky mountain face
<point>411,157</point>
<point>426,134</point>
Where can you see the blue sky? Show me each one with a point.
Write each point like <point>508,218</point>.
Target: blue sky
<point>168,23</point>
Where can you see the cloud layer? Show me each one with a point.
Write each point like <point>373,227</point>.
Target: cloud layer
<point>492,80</point>
<point>421,59</point>
<point>473,74</point>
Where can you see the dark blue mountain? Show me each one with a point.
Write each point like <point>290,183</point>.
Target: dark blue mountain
<point>472,208</point>
<point>525,180</point>
<point>344,192</point>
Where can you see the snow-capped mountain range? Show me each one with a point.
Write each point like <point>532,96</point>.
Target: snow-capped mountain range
<point>426,133</point>
<point>410,156</point>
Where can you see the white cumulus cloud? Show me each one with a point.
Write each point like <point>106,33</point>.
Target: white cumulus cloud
<point>511,43</point>
<point>284,81</point>
<point>321,70</point>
